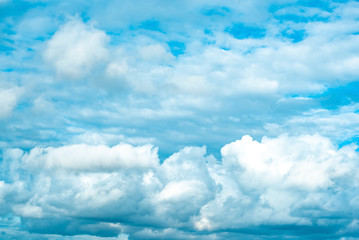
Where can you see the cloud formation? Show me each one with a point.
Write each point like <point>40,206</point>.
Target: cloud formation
<point>8,99</point>
<point>302,183</point>
<point>84,157</point>
<point>75,49</point>
<point>103,106</point>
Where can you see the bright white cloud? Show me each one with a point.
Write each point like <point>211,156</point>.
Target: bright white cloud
<point>76,48</point>
<point>275,181</point>
<point>93,158</point>
<point>339,124</point>
<point>265,66</point>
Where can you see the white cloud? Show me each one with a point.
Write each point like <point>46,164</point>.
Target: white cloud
<point>308,162</point>
<point>8,100</point>
<point>155,53</point>
<point>337,124</point>
<point>27,211</point>
<point>117,69</point>
<point>273,182</point>
<point>179,191</point>
<point>93,158</point>
<point>96,138</point>
<point>267,182</point>
<point>265,66</point>
<point>76,48</point>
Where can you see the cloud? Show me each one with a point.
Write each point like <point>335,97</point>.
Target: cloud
<point>76,48</point>
<point>290,181</point>
<point>80,158</point>
<point>338,123</point>
<point>285,181</point>
<point>92,158</point>
<point>8,100</point>
<point>285,165</point>
<point>133,85</point>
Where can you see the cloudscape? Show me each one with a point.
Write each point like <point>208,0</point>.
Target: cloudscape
<point>154,119</point>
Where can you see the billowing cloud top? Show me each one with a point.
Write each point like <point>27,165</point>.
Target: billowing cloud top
<point>179,119</point>
<point>84,157</point>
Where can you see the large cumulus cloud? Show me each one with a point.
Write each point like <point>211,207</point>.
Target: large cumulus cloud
<point>289,185</point>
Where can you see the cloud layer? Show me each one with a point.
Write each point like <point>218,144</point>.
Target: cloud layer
<point>103,106</point>
<point>301,184</point>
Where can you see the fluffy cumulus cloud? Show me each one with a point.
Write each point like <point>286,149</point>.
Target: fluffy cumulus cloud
<point>300,184</point>
<point>75,49</point>
<point>179,119</point>
<point>286,181</point>
<point>84,157</point>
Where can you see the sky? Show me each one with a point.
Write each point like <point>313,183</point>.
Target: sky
<point>191,119</point>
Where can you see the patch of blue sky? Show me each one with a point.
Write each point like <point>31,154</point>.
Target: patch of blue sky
<point>6,49</point>
<point>176,47</point>
<point>294,35</point>
<point>242,31</point>
<point>7,31</point>
<point>344,1</point>
<point>300,19</point>
<point>216,11</point>
<point>333,98</point>
<point>303,11</point>
<point>352,140</point>
<point>208,32</point>
<point>16,8</point>
<point>321,4</point>
<point>152,25</point>
<point>208,38</point>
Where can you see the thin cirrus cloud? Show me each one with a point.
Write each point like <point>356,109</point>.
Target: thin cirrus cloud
<point>121,120</point>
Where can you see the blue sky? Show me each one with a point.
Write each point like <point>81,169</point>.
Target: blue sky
<point>179,119</point>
